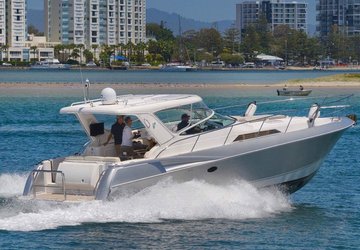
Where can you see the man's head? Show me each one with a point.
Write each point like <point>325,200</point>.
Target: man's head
<point>120,119</point>
<point>185,117</point>
<point>128,121</point>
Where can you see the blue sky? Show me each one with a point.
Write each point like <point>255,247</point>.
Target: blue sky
<point>202,10</point>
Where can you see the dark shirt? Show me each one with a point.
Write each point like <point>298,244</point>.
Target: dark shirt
<point>117,131</point>
<point>182,125</point>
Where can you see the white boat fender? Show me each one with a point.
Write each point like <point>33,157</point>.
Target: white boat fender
<point>251,109</point>
<point>314,113</point>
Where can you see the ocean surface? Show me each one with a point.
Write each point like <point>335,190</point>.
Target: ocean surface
<point>155,76</point>
<point>325,214</point>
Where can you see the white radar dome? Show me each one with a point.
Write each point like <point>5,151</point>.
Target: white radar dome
<point>108,96</point>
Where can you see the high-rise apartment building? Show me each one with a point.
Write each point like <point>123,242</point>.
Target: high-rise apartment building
<point>276,12</point>
<point>13,22</point>
<point>2,22</point>
<point>95,22</point>
<point>343,13</point>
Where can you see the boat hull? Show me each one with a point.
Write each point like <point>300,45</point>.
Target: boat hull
<point>289,161</point>
<point>50,67</point>
<point>178,69</point>
<point>293,92</point>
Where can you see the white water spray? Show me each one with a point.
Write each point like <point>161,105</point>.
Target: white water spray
<point>194,200</point>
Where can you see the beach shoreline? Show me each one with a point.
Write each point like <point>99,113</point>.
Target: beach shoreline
<point>289,84</point>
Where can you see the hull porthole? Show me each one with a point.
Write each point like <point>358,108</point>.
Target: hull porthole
<point>212,169</point>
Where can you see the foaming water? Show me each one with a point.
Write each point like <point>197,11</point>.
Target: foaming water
<point>194,200</point>
<point>12,184</point>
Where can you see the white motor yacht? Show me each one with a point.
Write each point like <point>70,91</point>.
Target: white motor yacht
<point>50,64</point>
<point>176,67</point>
<point>265,150</point>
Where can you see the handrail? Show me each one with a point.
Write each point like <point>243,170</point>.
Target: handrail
<point>48,171</point>
<point>263,119</point>
<point>97,183</point>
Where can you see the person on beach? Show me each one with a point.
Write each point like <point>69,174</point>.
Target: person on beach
<point>117,132</point>
<point>127,145</point>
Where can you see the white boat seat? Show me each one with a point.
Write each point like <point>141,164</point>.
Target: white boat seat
<point>79,173</point>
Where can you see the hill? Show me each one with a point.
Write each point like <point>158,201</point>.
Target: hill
<point>171,21</point>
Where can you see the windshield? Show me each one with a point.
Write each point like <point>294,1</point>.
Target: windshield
<point>181,119</point>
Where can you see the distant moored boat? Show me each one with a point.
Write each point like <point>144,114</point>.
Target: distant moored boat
<point>50,64</point>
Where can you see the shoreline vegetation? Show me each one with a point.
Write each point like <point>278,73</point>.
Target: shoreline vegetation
<point>208,68</point>
<point>348,80</point>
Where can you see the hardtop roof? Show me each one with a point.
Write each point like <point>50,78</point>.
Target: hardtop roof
<point>132,104</point>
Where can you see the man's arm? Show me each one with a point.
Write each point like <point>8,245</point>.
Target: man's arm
<point>108,139</point>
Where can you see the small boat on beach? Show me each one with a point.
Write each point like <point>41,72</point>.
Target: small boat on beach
<point>293,92</point>
<point>263,149</point>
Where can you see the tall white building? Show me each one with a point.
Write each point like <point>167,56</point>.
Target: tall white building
<point>343,13</point>
<point>276,12</point>
<point>13,22</point>
<point>95,22</point>
<point>2,22</point>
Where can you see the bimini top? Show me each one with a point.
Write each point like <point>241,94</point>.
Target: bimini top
<point>130,104</point>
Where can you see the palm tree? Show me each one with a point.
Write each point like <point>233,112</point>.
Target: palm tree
<point>75,53</point>
<point>34,50</point>
<point>88,55</point>
<point>121,46</point>
<point>95,47</point>
<point>5,48</point>
<point>129,47</point>
<point>59,52</point>
<point>80,47</point>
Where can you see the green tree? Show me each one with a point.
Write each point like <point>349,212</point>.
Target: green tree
<point>59,52</point>
<point>88,55</point>
<point>232,39</point>
<point>159,32</point>
<point>94,47</point>
<point>34,52</point>
<point>210,40</point>
<point>264,33</point>
<point>233,59</point>
<point>251,46</point>
<point>337,44</point>
<point>75,53</point>
<point>33,30</point>
<point>80,47</point>
<point>5,49</point>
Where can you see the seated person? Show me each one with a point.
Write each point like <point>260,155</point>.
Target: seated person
<point>185,123</point>
<point>127,145</point>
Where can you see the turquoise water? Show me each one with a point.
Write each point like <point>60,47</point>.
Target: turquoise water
<point>323,215</point>
<point>154,76</point>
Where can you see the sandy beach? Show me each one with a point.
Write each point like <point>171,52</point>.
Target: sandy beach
<point>142,86</point>
<point>334,83</point>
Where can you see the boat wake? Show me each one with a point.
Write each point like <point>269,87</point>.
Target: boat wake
<point>194,200</point>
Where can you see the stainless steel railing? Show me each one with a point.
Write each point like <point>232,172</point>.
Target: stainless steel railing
<point>35,176</point>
